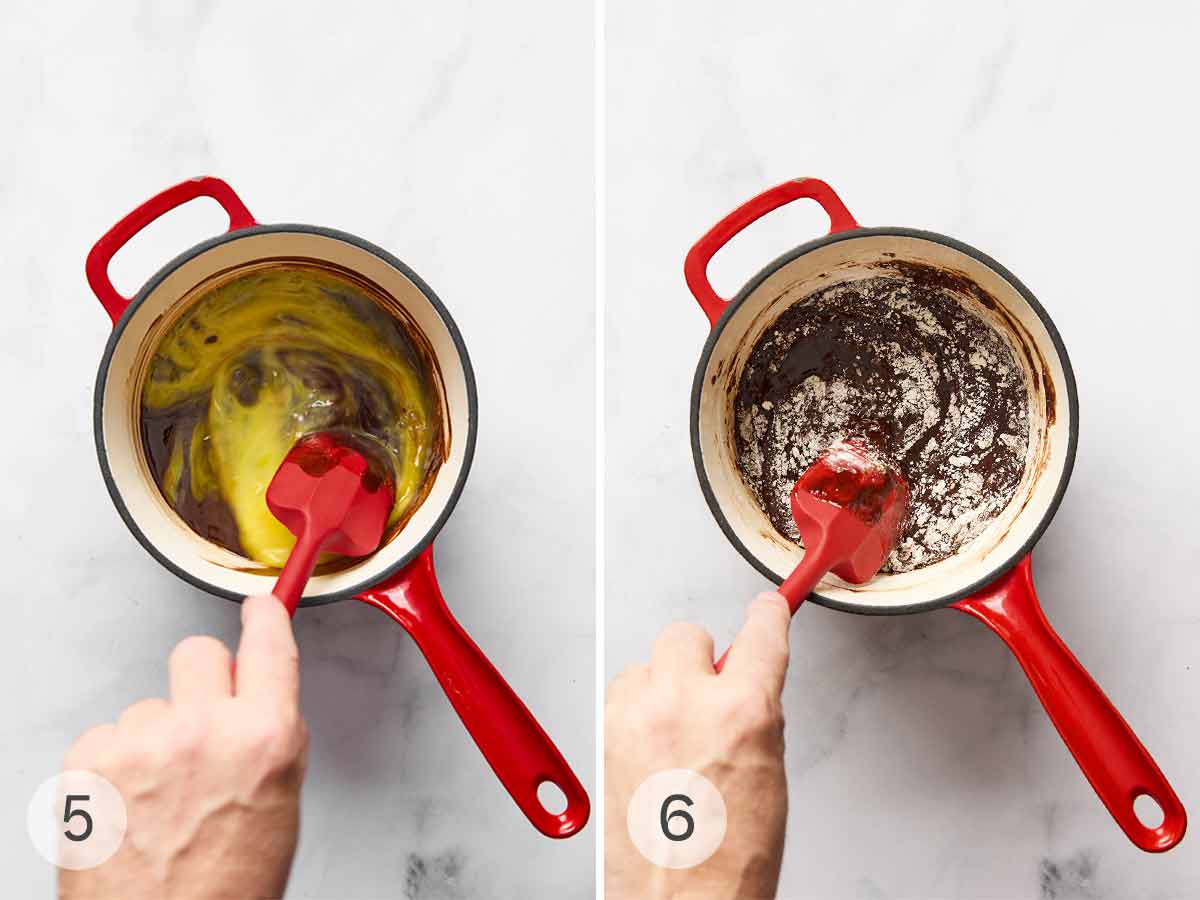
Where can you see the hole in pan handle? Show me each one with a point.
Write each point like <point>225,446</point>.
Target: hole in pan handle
<point>1119,768</point>
<point>113,301</point>
<point>510,738</point>
<point>695,266</point>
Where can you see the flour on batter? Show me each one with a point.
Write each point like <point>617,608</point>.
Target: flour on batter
<point>898,360</point>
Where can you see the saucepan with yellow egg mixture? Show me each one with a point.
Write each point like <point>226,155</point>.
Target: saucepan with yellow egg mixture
<point>250,340</point>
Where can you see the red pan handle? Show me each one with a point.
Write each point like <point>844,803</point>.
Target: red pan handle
<point>1105,747</point>
<point>119,235</point>
<point>695,267</point>
<point>512,741</point>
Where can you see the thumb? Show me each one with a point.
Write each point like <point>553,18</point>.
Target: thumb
<point>268,662</point>
<point>760,651</point>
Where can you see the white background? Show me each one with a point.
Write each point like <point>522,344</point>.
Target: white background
<point>457,136</point>
<point>1061,139</point>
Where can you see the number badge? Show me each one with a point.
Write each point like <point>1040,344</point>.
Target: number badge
<point>76,819</point>
<point>676,819</point>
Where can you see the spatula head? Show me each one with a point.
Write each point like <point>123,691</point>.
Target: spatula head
<point>332,483</point>
<point>857,502</point>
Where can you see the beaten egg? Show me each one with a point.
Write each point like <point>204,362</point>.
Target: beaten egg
<point>261,360</point>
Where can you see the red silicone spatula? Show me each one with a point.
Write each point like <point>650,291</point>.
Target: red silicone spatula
<point>850,506</point>
<point>334,497</point>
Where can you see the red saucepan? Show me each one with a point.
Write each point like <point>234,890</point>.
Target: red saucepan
<point>399,578</point>
<point>990,577</point>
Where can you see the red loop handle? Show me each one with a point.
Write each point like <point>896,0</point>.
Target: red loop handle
<point>1119,768</point>
<point>113,301</point>
<point>514,744</point>
<point>695,267</point>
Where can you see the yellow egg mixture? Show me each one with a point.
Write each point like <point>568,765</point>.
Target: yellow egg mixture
<point>262,360</point>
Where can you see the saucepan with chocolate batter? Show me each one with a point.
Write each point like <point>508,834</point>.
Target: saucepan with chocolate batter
<point>244,344</point>
<point>943,361</point>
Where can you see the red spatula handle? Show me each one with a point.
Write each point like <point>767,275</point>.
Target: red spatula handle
<point>512,741</point>
<point>298,568</point>
<point>695,266</point>
<point>797,586</point>
<point>1105,747</point>
<point>118,236</point>
<point>817,562</point>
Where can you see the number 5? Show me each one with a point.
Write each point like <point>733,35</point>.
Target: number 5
<point>664,818</point>
<point>69,814</point>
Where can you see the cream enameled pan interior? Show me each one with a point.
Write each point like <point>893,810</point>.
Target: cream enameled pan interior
<point>131,476</point>
<point>848,260</point>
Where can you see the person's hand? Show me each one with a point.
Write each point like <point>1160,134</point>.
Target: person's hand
<point>678,713</point>
<point>211,778</point>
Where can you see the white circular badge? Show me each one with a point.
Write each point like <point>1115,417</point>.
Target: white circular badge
<point>676,819</point>
<point>76,819</point>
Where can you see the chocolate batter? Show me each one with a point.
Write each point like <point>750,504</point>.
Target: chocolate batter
<point>898,360</point>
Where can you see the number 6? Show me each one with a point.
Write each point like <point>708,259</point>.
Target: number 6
<point>664,818</point>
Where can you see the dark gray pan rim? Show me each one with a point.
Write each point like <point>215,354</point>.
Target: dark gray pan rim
<point>451,327</point>
<point>1069,385</point>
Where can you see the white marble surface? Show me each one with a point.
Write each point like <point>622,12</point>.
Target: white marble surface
<point>1061,139</point>
<point>458,136</point>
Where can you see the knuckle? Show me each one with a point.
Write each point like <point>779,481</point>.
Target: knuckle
<point>279,740</point>
<point>198,646</point>
<point>90,748</point>
<point>282,656</point>
<point>623,685</point>
<point>684,631</point>
<point>136,757</point>
<point>614,713</point>
<point>289,654</point>
<point>142,712</point>
<point>770,599</point>
<point>658,717</point>
<point>633,672</point>
<point>187,737</point>
<point>770,604</point>
<point>752,710</point>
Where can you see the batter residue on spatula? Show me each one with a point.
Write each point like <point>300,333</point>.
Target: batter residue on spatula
<point>259,362</point>
<point>900,360</point>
